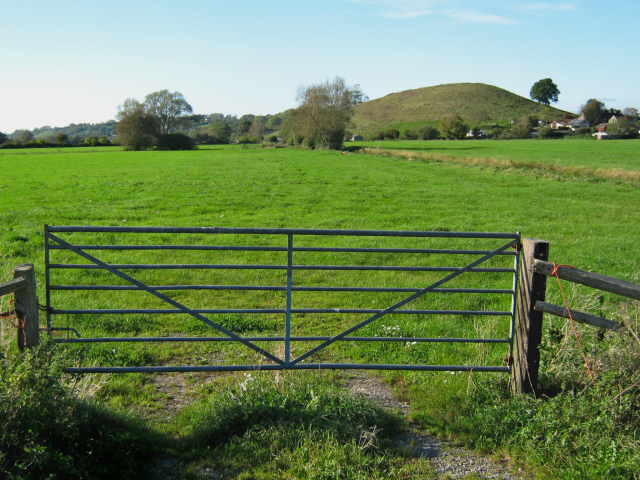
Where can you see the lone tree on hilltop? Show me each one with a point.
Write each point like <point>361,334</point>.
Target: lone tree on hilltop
<point>323,114</point>
<point>545,91</point>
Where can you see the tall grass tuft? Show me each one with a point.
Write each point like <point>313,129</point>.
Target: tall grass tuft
<point>296,426</point>
<point>545,168</point>
<point>577,428</point>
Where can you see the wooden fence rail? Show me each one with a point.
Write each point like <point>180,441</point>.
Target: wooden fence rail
<point>23,286</point>
<point>531,305</point>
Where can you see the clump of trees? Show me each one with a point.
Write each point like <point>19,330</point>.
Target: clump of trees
<point>323,114</point>
<point>154,122</point>
<point>453,127</point>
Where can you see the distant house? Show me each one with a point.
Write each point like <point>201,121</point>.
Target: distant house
<point>556,124</point>
<point>579,122</point>
<point>356,138</point>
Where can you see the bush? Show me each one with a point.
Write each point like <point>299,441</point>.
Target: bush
<point>548,132</point>
<point>428,133</point>
<point>175,141</point>
<point>47,433</point>
<point>392,134</point>
<point>411,134</point>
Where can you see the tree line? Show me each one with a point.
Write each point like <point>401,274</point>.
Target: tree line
<point>321,119</point>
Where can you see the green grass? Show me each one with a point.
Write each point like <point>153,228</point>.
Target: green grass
<point>614,154</point>
<point>591,222</point>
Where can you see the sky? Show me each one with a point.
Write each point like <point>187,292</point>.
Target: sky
<point>76,61</point>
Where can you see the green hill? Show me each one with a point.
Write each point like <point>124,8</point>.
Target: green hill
<point>430,104</point>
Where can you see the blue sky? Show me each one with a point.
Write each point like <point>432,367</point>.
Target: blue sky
<point>76,61</point>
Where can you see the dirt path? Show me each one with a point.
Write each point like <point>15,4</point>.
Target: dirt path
<point>448,461</point>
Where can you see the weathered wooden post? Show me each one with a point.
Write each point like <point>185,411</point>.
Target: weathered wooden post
<point>27,308</point>
<point>528,330</point>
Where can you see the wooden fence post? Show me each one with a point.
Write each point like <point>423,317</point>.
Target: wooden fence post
<point>27,308</point>
<point>528,329</point>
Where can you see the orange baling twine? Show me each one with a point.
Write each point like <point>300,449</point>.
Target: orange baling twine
<point>573,325</point>
<point>14,320</point>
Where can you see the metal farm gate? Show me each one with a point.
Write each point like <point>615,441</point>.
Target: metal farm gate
<point>83,263</point>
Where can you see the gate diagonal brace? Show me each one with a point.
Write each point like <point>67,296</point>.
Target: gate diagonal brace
<point>390,309</point>
<point>166,299</point>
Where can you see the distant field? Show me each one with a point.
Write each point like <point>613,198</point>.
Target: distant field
<point>611,154</point>
<point>591,223</point>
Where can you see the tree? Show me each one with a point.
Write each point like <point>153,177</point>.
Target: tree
<point>167,107</point>
<point>25,136</point>
<point>256,129</point>
<point>243,127</point>
<point>631,113</point>
<point>523,127</point>
<point>411,134</point>
<point>357,95</point>
<point>323,114</point>
<point>62,139</point>
<point>545,91</point>
<point>138,130</point>
<point>392,134</point>
<point>3,138</point>
<point>141,125</point>
<point>453,127</point>
<point>593,111</point>
<point>221,131</point>
<point>427,132</point>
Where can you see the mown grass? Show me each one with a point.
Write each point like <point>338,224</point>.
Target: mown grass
<point>591,222</point>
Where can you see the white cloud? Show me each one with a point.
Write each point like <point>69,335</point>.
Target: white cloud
<point>407,9</point>
<point>406,14</point>
<point>475,17</point>
<point>548,7</point>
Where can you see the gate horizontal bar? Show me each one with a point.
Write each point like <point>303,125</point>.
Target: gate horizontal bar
<point>304,366</point>
<point>83,266</point>
<point>278,289</point>
<point>281,231</point>
<point>275,339</point>
<point>273,310</point>
<point>281,249</point>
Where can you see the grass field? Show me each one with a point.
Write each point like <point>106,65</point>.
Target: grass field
<point>614,154</point>
<point>592,224</point>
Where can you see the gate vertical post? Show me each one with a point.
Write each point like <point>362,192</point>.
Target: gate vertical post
<point>287,333</point>
<point>27,308</point>
<point>528,332</point>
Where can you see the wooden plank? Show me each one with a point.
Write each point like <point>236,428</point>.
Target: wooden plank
<point>580,317</point>
<point>12,286</point>
<point>589,279</point>
<point>528,328</point>
<point>27,307</point>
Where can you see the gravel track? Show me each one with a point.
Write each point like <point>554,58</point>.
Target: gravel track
<point>447,461</point>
